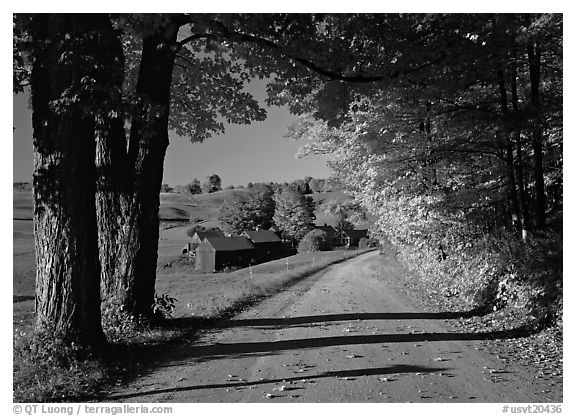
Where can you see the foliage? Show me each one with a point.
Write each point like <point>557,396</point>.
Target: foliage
<point>47,368</point>
<point>315,240</point>
<point>118,324</point>
<point>193,187</point>
<point>251,210</point>
<point>164,305</point>
<point>365,243</point>
<point>213,184</point>
<point>294,214</point>
<point>165,188</point>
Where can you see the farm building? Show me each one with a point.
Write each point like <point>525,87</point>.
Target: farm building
<point>266,242</point>
<point>199,236</point>
<point>216,253</point>
<point>351,238</point>
<point>276,230</point>
<point>330,232</point>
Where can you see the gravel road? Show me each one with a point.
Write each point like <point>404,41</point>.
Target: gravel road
<point>343,335</point>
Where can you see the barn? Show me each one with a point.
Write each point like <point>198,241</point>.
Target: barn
<point>331,233</point>
<point>351,238</point>
<point>199,236</point>
<point>266,242</point>
<point>216,253</point>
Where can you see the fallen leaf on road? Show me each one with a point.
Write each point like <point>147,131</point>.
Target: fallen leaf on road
<point>269,396</point>
<point>281,388</point>
<point>386,379</point>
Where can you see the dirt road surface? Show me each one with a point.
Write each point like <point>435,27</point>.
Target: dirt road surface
<point>342,336</point>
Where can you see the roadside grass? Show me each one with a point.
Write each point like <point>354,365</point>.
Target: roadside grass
<point>46,370</point>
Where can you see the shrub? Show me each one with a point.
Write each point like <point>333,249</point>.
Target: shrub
<point>164,306</point>
<point>493,272</point>
<point>119,325</point>
<point>315,240</point>
<point>48,369</point>
<point>365,243</point>
<point>192,230</point>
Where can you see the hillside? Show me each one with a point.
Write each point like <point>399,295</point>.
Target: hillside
<point>199,208</point>
<point>22,205</point>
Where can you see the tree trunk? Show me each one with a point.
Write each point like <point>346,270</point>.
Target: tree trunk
<point>523,206</point>
<point>537,136</point>
<point>67,268</point>
<point>129,201</point>
<point>505,137</point>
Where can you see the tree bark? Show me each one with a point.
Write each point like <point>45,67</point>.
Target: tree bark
<point>537,136</point>
<point>523,206</point>
<point>128,199</point>
<point>67,269</point>
<point>513,204</point>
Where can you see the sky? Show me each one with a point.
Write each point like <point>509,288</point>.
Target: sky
<point>245,153</point>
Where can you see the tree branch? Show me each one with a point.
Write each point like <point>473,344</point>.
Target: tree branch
<point>192,38</point>
<point>244,37</point>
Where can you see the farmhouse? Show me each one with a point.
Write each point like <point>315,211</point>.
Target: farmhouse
<point>266,242</point>
<point>331,232</point>
<point>351,238</point>
<point>199,236</point>
<point>216,253</point>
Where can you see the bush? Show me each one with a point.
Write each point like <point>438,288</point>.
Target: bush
<point>493,272</point>
<point>365,243</point>
<point>164,306</point>
<point>48,369</point>
<point>315,240</point>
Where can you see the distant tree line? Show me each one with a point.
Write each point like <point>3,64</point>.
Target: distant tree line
<point>213,183</point>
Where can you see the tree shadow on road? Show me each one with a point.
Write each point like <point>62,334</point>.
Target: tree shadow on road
<point>301,320</point>
<point>394,369</point>
<point>244,349</point>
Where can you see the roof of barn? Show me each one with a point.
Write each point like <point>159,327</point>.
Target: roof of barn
<point>262,236</point>
<point>234,243</point>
